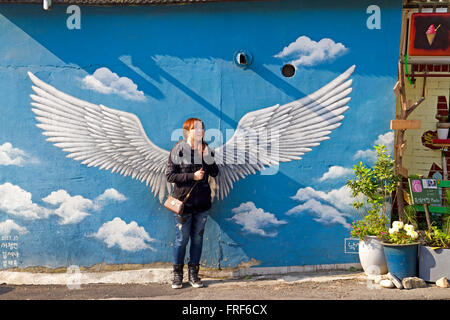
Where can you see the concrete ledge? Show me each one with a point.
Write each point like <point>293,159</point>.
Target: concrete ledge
<point>142,276</point>
<point>290,269</point>
<point>153,275</point>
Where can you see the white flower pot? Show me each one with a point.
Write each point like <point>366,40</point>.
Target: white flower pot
<point>442,129</point>
<point>371,256</point>
<point>442,133</point>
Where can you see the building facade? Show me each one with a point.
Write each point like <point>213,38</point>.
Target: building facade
<point>75,76</point>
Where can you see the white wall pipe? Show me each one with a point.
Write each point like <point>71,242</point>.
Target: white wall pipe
<point>47,4</point>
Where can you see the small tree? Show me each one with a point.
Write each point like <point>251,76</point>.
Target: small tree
<point>376,184</point>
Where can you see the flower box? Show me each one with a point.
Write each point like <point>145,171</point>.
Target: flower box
<point>434,263</point>
<point>441,141</point>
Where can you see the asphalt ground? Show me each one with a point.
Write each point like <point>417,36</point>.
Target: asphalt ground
<point>311,286</point>
<point>329,294</point>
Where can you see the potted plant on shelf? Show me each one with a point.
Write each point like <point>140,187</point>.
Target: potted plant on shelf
<point>434,253</point>
<point>401,249</point>
<point>376,185</point>
<point>442,127</point>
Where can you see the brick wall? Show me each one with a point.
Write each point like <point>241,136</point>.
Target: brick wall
<point>417,158</point>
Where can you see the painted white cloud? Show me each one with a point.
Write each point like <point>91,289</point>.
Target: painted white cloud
<point>336,172</point>
<point>386,139</point>
<point>307,52</point>
<point>129,237</point>
<point>9,226</point>
<point>323,213</point>
<point>254,220</point>
<point>17,202</point>
<point>338,209</point>
<point>340,198</point>
<point>108,196</point>
<point>10,156</point>
<point>73,209</point>
<point>105,81</point>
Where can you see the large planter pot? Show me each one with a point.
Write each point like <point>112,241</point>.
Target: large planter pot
<point>442,130</point>
<point>434,264</point>
<point>371,256</point>
<point>401,259</point>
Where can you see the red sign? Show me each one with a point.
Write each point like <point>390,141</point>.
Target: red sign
<point>429,34</point>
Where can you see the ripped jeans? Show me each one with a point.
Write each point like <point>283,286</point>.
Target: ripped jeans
<point>189,225</point>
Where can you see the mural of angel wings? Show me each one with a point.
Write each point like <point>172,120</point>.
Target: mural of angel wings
<point>115,140</point>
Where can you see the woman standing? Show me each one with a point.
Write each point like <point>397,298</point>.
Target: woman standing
<point>190,162</point>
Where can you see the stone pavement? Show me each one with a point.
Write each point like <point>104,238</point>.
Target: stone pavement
<point>319,285</point>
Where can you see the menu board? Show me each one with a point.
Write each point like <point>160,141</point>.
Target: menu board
<point>424,191</point>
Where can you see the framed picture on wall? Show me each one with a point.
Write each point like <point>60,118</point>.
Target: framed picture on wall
<point>429,35</point>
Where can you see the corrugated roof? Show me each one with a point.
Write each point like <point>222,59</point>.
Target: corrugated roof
<point>444,2</point>
<point>426,3</point>
<point>407,3</point>
<point>118,2</point>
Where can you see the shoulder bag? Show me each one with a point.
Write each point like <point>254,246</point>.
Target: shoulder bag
<point>175,205</point>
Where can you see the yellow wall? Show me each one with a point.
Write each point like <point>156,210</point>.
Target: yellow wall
<point>418,159</point>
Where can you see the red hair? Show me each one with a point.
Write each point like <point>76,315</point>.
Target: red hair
<point>189,124</point>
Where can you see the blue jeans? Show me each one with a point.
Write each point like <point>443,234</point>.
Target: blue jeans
<point>189,225</point>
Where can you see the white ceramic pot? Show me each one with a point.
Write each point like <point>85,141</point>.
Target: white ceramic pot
<point>442,129</point>
<point>442,133</point>
<point>371,256</point>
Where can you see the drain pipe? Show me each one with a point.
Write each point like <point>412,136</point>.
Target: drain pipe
<point>47,4</point>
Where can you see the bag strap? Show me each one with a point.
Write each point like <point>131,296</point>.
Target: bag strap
<point>189,193</point>
<point>196,182</point>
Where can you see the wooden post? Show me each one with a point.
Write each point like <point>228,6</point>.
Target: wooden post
<point>400,141</point>
<point>444,165</point>
<point>427,216</point>
<point>405,110</point>
<point>445,175</point>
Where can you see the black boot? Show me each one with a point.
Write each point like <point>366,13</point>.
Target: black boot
<point>177,281</point>
<point>194,280</point>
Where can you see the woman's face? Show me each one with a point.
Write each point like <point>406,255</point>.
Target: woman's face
<point>197,132</point>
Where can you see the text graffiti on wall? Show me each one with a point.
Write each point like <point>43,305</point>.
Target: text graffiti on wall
<point>10,251</point>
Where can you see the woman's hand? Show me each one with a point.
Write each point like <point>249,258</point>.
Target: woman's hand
<point>198,175</point>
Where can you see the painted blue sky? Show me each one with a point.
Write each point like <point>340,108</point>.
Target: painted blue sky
<point>166,64</point>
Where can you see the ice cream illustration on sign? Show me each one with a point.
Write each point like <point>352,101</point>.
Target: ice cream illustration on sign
<point>431,33</point>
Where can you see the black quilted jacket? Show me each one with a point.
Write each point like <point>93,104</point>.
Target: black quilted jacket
<point>181,165</point>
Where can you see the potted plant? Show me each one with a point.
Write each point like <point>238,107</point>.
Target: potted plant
<point>370,230</point>
<point>434,253</point>
<point>401,249</point>
<point>375,184</point>
<point>442,127</point>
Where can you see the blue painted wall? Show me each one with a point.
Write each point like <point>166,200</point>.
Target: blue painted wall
<point>180,60</point>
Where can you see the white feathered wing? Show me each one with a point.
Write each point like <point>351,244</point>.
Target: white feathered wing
<point>107,138</point>
<point>287,132</point>
<point>99,136</point>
